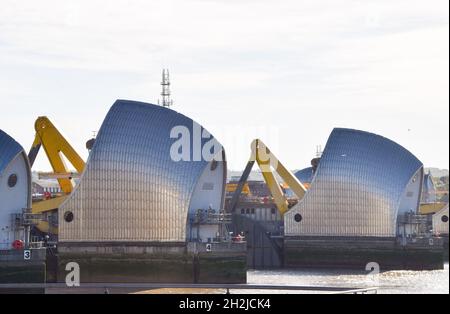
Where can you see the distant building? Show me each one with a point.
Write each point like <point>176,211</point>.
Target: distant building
<point>259,189</point>
<point>259,211</point>
<point>40,187</point>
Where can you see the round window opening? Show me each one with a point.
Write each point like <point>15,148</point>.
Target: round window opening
<point>68,216</point>
<point>298,217</point>
<point>444,218</point>
<point>12,180</point>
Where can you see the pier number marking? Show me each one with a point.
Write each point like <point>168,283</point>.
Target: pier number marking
<point>208,247</point>
<point>26,255</point>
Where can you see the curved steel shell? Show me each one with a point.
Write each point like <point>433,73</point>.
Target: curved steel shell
<point>428,190</point>
<point>131,189</point>
<point>362,183</point>
<point>14,160</point>
<point>305,175</point>
<point>9,149</point>
<point>15,188</point>
<point>440,221</point>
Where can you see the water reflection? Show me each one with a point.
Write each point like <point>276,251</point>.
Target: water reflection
<point>398,282</point>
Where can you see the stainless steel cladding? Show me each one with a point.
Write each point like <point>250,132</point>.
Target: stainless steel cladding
<point>9,149</point>
<point>362,183</point>
<point>132,189</point>
<point>15,188</point>
<point>305,175</point>
<point>428,189</point>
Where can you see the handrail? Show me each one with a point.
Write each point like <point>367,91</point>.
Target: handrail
<point>228,287</point>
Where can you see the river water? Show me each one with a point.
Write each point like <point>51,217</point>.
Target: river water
<point>398,282</point>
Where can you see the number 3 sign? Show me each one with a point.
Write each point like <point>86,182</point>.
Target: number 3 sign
<point>26,255</point>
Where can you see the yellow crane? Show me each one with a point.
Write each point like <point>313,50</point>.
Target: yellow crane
<point>231,188</point>
<point>268,163</point>
<point>55,146</point>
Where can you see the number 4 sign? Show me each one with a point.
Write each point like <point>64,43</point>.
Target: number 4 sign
<point>26,255</point>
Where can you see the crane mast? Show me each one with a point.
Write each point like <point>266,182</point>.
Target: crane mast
<point>267,161</point>
<point>55,145</point>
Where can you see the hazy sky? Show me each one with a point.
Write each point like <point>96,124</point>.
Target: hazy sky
<point>284,71</point>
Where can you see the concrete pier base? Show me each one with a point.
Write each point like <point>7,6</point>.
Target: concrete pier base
<point>155,262</point>
<point>358,253</point>
<point>14,269</point>
<point>445,248</point>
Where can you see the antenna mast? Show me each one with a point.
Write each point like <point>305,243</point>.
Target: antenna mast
<point>318,151</point>
<point>165,93</point>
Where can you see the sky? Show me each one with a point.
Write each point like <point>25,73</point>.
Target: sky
<point>287,72</point>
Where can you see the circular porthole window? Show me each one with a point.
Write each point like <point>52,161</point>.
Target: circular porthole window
<point>444,218</point>
<point>12,180</point>
<point>68,216</point>
<point>298,217</point>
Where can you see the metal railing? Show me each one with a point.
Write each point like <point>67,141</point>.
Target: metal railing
<point>210,217</point>
<point>105,287</point>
